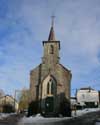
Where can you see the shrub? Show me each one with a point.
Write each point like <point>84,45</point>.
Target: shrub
<point>65,109</point>
<point>33,108</point>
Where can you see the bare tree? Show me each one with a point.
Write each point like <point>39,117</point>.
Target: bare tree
<point>24,99</point>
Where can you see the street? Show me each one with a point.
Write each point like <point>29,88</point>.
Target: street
<point>86,119</point>
<point>11,120</point>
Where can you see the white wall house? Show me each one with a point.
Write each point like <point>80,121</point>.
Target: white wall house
<point>87,96</point>
<point>8,100</point>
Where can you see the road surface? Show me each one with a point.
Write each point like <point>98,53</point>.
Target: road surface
<point>11,120</point>
<point>86,119</point>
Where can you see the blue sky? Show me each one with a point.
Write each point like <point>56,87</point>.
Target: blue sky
<point>24,24</point>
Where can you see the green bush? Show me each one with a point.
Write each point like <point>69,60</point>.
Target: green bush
<point>33,108</point>
<point>65,109</point>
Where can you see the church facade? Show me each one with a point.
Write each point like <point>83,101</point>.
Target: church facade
<point>50,81</point>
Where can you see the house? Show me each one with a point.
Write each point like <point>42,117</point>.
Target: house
<point>8,104</point>
<point>88,97</point>
<point>99,97</point>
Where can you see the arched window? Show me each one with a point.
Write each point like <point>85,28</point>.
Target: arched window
<point>48,87</point>
<point>52,88</point>
<point>51,49</point>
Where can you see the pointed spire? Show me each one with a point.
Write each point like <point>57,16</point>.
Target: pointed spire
<point>52,34</point>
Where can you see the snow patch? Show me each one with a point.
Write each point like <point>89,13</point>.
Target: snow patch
<point>84,111</point>
<point>5,115</point>
<point>40,119</point>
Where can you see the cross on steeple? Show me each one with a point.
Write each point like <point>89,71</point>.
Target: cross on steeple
<point>52,20</point>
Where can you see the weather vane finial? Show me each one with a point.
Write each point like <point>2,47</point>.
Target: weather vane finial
<point>52,20</point>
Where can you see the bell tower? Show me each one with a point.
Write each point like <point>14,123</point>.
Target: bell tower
<point>51,47</point>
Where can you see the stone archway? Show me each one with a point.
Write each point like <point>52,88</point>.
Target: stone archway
<point>49,87</point>
<point>49,90</point>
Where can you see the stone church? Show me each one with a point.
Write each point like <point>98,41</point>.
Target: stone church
<point>50,81</point>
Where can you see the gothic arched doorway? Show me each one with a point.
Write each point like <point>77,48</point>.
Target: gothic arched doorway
<point>49,90</point>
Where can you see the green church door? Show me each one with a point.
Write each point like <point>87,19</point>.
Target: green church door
<point>49,104</point>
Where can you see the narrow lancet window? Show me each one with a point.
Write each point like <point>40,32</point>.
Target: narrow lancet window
<point>51,49</point>
<point>48,87</point>
<point>52,88</point>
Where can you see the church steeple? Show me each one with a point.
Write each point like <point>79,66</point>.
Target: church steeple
<point>51,48</point>
<point>52,34</point>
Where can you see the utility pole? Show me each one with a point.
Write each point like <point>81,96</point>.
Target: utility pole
<point>15,97</point>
